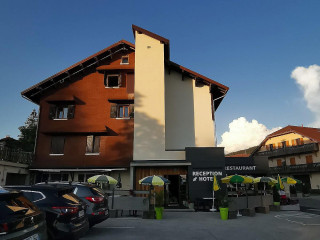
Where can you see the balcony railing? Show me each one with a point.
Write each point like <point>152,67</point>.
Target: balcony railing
<point>16,156</point>
<point>301,168</point>
<point>299,149</point>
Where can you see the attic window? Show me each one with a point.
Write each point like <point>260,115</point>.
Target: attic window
<point>125,60</point>
<point>112,80</point>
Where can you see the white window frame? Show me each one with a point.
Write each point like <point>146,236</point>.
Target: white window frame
<point>112,75</point>
<point>122,63</point>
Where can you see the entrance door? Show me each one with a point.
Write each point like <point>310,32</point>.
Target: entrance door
<point>176,191</point>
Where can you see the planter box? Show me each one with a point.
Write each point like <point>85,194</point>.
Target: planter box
<point>232,214</point>
<point>264,209</point>
<point>275,208</point>
<point>294,207</point>
<point>249,212</point>
<point>149,214</point>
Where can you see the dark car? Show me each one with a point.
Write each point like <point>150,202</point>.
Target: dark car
<point>65,212</point>
<point>19,218</point>
<point>93,196</point>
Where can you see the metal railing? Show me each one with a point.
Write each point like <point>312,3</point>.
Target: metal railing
<point>16,156</point>
<point>301,168</point>
<point>299,149</point>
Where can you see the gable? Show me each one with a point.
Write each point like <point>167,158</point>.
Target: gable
<point>77,71</point>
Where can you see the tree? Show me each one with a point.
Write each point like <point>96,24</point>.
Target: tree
<point>28,132</point>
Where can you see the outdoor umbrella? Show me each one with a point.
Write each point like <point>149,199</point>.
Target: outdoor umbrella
<point>236,179</point>
<point>99,179</point>
<point>291,181</point>
<point>102,179</point>
<point>154,181</point>
<point>265,180</point>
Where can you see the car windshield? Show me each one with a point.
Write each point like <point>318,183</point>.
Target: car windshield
<point>97,191</point>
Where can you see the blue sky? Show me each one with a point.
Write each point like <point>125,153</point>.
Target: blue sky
<point>250,46</point>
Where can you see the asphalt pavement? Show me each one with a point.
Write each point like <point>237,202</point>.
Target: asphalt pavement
<point>208,225</point>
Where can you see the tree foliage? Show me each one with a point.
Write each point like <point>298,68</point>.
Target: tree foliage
<point>28,132</point>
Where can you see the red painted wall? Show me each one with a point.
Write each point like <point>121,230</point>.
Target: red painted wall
<point>92,114</point>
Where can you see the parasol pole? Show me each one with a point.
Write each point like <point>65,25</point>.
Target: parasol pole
<point>238,214</point>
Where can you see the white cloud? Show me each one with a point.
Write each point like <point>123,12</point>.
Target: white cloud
<point>309,81</point>
<point>243,134</point>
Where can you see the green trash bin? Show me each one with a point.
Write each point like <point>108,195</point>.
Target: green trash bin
<point>224,213</point>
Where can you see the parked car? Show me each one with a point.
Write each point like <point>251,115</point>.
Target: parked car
<point>19,218</point>
<point>93,196</point>
<point>65,212</point>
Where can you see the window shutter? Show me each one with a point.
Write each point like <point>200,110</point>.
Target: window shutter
<point>293,142</point>
<point>113,110</point>
<point>279,145</point>
<point>96,146</point>
<point>301,141</point>
<point>131,110</point>
<point>52,111</point>
<point>274,146</point>
<point>71,111</point>
<point>89,144</point>
<point>57,145</point>
<point>279,162</point>
<point>120,80</point>
<point>287,143</point>
<point>130,83</point>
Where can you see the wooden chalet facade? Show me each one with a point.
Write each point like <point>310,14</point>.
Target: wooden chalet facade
<point>125,111</point>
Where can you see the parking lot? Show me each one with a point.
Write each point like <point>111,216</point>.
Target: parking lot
<point>207,225</point>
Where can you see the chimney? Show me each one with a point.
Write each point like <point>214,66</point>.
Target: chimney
<point>7,136</point>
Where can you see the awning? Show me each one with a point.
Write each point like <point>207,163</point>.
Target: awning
<point>77,170</point>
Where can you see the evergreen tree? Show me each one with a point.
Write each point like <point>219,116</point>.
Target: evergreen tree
<point>28,132</point>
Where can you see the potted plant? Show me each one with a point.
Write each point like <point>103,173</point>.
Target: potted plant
<point>159,204</point>
<point>276,196</point>
<point>224,207</point>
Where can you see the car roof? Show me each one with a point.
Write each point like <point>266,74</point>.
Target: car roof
<point>66,183</point>
<point>40,187</point>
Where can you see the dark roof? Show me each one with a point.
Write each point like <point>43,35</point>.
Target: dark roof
<point>8,139</point>
<point>33,93</point>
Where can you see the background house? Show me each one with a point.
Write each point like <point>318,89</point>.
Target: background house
<point>14,162</point>
<point>294,151</point>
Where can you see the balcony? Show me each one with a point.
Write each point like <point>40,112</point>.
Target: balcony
<point>293,150</point>
<point>16,156</point>
<point>301,168</point>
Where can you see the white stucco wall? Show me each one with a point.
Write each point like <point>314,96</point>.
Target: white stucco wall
<point>203,123</point>
<point>149,119</point>
<point>10,167</point>
<point>179,123</point>
<point>188,113</point>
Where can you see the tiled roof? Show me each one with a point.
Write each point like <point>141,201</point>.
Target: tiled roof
<point>240,155</point>
<point>312,133</point>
